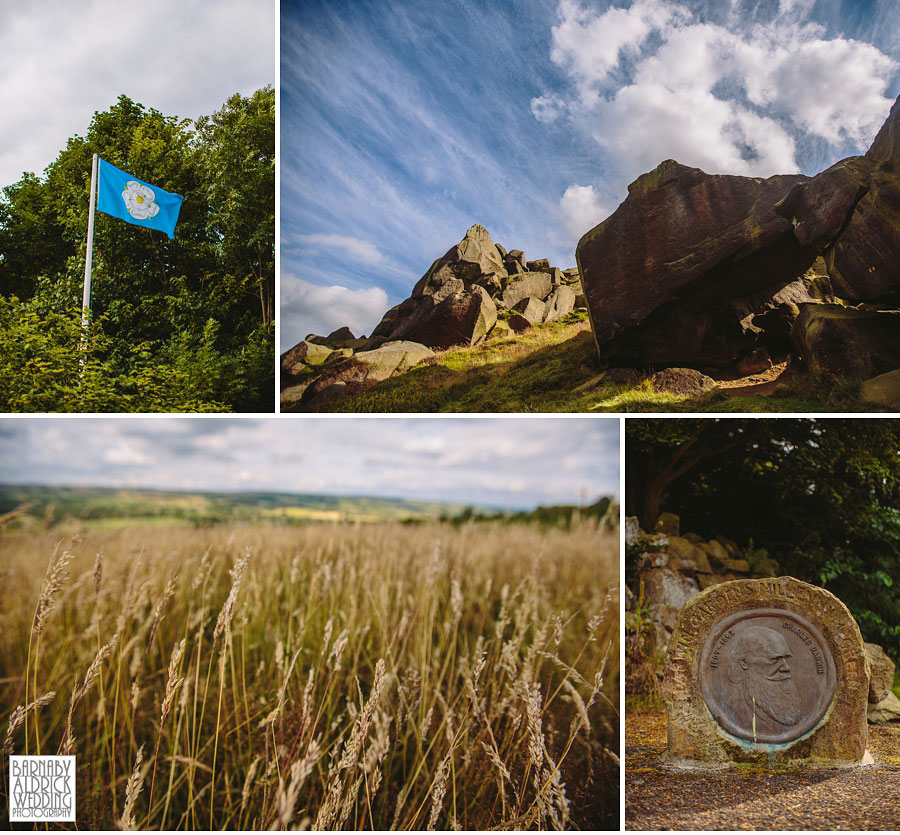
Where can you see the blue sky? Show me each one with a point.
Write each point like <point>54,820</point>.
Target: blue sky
<point>500,462</point>
<point>403,122</point>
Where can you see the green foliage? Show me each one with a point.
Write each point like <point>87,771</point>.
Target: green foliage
<point>821,496</point>
<point>47,364</point>
<point>181,327</point>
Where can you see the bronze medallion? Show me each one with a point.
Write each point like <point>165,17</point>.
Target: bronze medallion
<point>766,675</point>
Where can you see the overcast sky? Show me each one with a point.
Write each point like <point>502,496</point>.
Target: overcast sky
<point>60,61</point>
<point>403,122</point>
<point>502,462</point>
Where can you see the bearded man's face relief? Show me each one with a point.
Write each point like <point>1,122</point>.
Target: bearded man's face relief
<point>769,688</point>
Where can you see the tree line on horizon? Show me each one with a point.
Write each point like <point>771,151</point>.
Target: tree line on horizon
<point>185,324</point>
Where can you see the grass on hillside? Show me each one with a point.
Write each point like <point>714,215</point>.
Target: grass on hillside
<point>550,368</point>
<point>329,677</point>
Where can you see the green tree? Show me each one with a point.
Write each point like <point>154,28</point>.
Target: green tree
<point>188,306</point>
<point>822,496</point>
<point>238,162</point>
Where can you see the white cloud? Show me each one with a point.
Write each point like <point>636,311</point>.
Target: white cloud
<point>582,209</point>
<point>651,82</point>
<point>360,250</point>
<point>61,61</point>
<point>312,308</point>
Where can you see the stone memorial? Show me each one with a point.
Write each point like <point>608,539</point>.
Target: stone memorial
<point>769,672</point>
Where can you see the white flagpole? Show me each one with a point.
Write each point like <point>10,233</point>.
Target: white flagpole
<point>86,298</point>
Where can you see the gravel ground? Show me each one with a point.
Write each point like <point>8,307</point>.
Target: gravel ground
<point>855,799</point>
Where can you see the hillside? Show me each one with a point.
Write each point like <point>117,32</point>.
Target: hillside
<point>553,367</point>
<point>105,507</point>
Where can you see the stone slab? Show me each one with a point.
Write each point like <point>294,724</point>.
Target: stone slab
<point>770,672</point>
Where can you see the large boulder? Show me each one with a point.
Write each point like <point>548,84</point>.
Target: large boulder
<point>303,355</point>
<point>463,318</point>
<point>883,391</point>
<point>853,209</point>
<point>559,303</point>
<point>882,673</point>
<point>537,285</point>
<point>837,341</point>
<point>659,272</point>
<point>474,255</point>
<point>887,710</point>
<point>531,308</point>
<point>363,370</point>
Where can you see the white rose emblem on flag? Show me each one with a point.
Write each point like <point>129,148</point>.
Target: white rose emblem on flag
<point>140,201</point>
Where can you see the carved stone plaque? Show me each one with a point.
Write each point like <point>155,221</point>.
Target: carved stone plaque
<point>769,672</point>
<point>766,675</point>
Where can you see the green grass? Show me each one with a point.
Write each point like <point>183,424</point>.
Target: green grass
<point>549,368</point>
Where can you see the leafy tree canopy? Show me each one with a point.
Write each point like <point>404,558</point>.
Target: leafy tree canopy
<point>197,310</point>
<point>822,496</point>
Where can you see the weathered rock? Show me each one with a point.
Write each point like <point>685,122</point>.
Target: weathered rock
<point>685,242</point>
<point>838,341</point>
<point>537,285</point>
<point>303,355</point>
<point>538,265</point>
<point>518,323</point>
<point>882,673</point>
<point>337,355</point>
<point>668,524</point>
<point>363,370</point>
<point>665,587</point>
<point>684,549</point>
<point>463,318</point>
<point>740,566</point>
<point>882,390</point>
<point>291,396</point>
<point>685,382</point>
<point>560,303</point>
<point>531,308</point>
<point>517,255</point>
<point>491,282</point>
<point>632,530</point>
<point>474,255</point>
<point>756,361</point>
<point>855,207</point>
<point>500,330</point>
<point>887,710</point>
<point>716,552</point>
<point>768,672</point>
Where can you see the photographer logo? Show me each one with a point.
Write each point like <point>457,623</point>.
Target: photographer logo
<point>41,788</point>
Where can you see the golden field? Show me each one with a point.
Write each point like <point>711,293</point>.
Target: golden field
<point>339,676</point>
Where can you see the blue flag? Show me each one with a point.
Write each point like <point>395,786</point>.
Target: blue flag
<point>137,202</point>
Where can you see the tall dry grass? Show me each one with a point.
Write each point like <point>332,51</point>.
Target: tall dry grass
<point>352,676</point>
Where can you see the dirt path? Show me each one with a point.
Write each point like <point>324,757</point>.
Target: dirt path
<point>864,798</point>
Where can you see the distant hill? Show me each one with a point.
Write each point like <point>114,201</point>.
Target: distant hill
<point>110,506</point>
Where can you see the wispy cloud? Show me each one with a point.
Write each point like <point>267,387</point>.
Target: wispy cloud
<point>531,116</point>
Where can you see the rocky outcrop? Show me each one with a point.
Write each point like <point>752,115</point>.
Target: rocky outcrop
<point>660,272</point>
<point>709,270</point>
<point>884,706</point>
<point>477,290</point>
<point>362,370</point>
<point>456,301</point>
<point>847,342</point>
<point>883,391</point>
<point>852,211</point>
<point>670,568</point>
